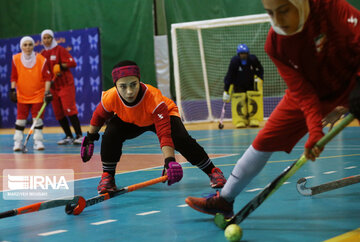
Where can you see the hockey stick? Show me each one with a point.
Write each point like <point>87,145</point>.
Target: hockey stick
<point>221,125</point>
<point>77,207</point>
<point>24,150</point>
<point>38,206</point>
<point>275,184</point>
<point>305,191</point>
<point>222,115</point>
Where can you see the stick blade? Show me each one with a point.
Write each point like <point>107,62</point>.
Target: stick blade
<point>24,149</point>
<point>302,189</point>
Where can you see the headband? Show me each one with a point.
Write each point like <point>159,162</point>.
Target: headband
<point>124,71</point>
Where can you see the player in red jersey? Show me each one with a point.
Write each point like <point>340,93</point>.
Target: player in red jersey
<point>63,88</point>
<point>132,108</point>
<point>321,73</point>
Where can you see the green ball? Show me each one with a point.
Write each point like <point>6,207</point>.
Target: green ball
<point>233,233</point>
<point>220,220</point>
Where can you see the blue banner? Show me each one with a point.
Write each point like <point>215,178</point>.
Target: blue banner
<point>84,46</point>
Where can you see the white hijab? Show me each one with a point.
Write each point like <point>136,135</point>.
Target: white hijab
<point>303,8</point>
<point>27,60</point>
<point>51,33</point>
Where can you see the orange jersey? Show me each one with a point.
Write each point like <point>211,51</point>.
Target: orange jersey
<point>141,113</point>
<point>30,82</point>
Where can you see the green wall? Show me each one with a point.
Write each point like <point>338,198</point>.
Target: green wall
<point>126,27</point>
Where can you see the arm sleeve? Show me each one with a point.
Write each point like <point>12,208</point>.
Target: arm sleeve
<point>161,119</point>
<point>230,75</point>
<point>65,57</point>
<point>259,69</point>
<point>14,74</point>
<point>100,115</point>
<point>346,19</point>
<point>304,93</point>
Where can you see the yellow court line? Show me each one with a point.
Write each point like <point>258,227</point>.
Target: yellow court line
<point>351,236</point>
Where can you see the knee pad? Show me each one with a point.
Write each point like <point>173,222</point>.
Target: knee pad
<point>20,123</point>
<point>39,123</point>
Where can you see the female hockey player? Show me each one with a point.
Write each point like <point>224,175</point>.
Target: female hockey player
<point>132,108</point>
<point>315,46</point>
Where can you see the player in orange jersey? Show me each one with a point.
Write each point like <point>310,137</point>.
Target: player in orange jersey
<point>132,108</point>
<point>30,86</point>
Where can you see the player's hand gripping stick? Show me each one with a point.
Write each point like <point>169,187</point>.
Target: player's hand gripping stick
<point>173,170</point>
<point>87,146</point>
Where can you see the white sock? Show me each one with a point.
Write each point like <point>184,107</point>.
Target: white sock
<point>246,168</point>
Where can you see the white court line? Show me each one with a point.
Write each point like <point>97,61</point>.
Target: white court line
<point>52,232</point>
<point>147,213</point>
<point>104,222</point>
<point>182,205</point>
<point>254,190</point>
<point>350,167</point>
<point>309,177</point>
<point>287,182</point>
<point>329,172</point>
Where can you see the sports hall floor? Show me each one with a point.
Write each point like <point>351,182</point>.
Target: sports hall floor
<point>159,213</point>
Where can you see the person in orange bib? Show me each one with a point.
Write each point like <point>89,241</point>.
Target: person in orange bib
<point>132,108</point>
<point>30,87</point>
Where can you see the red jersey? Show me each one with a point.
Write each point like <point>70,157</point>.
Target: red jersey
<point>152,109</point>
<point>58,55</point>
<point>319,63</point>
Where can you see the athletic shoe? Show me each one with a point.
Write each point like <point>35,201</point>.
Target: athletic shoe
<point>217,179</point>
<point>106,184</point>
<point>66,141</point>
<point>212,204</point>
<point>17,146</point>
<point>78,140</point>
<point>38,145</point>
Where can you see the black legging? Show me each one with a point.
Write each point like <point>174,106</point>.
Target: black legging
<point>117,131</point>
